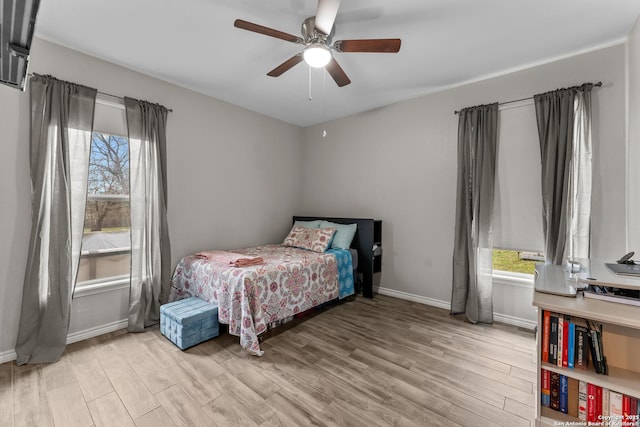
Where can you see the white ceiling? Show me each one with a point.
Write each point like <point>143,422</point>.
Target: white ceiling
<point>194,44</point>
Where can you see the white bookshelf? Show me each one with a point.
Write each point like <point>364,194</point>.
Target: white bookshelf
<point>621,343</point>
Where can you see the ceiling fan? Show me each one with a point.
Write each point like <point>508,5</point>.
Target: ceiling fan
<point>317,35</point>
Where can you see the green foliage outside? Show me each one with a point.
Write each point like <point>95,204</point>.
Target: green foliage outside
<point>506,260</point>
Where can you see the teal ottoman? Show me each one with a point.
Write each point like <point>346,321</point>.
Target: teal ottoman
<point>189,321</point>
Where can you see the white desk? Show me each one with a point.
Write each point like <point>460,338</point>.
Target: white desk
<point>598,274</point>
<point>558,280</point>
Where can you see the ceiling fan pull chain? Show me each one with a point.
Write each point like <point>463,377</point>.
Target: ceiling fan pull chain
<point>310,84</point>
<point>324,102</point>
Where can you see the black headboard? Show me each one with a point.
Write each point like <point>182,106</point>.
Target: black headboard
<point>362,242</point>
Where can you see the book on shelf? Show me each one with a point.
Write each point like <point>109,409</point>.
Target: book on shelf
<point>605,402</point>
<point>560,340</point>
<point>554,386</point>
<point>591,402</point>
<point>603,359</point>
<point>582,400</point>
<point>553,339</point>
<point>626,407</point>
<point>564,394</point>
<point>596,349</point>
<point>598,403</point>
<point>615,408</point>
<point>582,345</point>
<point>565,341</point>
<point>592,350</point>
<point>545,388</point>
<point>546,324</point>
<point>571,355</point>
<point>573,403</point>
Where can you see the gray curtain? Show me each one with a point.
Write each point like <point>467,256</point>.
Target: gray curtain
<point>60,144</point>
<point>150,248</point>
<point>555,114</point>
<point>472,252</point>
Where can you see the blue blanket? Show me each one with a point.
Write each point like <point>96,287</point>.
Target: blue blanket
<point>345,272</point>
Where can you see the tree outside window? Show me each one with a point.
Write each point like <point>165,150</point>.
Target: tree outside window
<point>106,243</point>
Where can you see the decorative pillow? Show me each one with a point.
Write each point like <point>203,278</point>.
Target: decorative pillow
<point>313,239</point>
<point>308,224</point>
<point>344,234</point>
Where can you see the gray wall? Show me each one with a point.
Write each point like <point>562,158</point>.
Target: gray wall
<point>398,164</point>
<point>234,175</point>
<point>633,58</point>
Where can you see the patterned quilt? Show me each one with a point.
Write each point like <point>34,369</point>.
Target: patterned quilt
<point>289,282</point>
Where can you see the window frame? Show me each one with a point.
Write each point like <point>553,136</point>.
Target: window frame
<point>105,284</point>
<point>98,286</point>
<point>513,278</point>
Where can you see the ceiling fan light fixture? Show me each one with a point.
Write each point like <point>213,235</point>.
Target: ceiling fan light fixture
<point>317,55</point>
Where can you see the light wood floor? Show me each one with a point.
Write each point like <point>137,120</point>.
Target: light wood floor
<point>381,362</point>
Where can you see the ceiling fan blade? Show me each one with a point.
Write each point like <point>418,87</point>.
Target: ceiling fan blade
<point>250,26</point>
<point>326,15</point>
<point>335,70</point>
<point>369,45</point>
<point>286,65</point>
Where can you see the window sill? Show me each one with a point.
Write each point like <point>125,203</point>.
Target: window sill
<point>513,279</point>
<point>94,287</point>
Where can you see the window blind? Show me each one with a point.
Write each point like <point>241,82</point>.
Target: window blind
<point>109,117</point>
<point>517,222</point>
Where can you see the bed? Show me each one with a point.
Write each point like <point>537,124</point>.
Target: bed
<point>289,281</point>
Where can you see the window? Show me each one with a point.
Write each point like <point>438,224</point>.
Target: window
<point>106,243</point>
<point>518,199</point>
<point>520,262</point>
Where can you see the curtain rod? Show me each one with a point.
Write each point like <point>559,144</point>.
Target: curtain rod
<point>598,84</point>
<point>120,98</point>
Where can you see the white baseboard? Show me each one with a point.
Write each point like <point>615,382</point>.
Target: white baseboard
<point>415,298</point>
<point>98,330</point>
<point>515,321</point>
<point>498,317</point>
<point>10,355</point>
